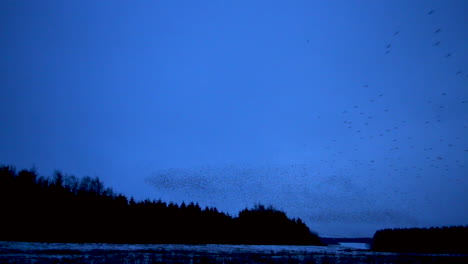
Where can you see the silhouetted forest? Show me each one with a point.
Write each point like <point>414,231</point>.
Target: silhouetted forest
<point>65,208</point>
<point>422,240</point>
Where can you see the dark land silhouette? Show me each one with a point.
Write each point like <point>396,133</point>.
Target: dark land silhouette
<point>65,208</point>
<point>445,240</point>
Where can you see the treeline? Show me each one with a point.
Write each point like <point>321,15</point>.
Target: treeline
<point>65,208</point>
<point>422,240</point>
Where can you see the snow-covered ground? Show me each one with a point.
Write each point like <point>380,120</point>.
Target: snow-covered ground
<point>210,248</point>
<point>26,252</point>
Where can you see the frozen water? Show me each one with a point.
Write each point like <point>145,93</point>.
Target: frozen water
<point>355,245</point>
<point>210,248</point>
<point>26,252</point>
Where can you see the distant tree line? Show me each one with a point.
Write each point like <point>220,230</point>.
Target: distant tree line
<point>65,208</point>
<point>422,240</point>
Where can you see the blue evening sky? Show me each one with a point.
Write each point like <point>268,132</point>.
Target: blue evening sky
<point>352,115</point>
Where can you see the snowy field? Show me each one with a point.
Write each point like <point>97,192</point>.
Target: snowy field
<point>24,252</point>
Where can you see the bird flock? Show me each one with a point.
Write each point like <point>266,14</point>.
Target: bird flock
<point>399,148</point>
<point>377,141</point>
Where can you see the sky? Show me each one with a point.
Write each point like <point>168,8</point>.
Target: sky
<point>351,115</point>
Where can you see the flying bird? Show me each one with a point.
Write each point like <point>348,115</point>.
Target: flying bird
<point>448,55</point>
<point>389,45</point>
<point>459,72</point>
<point>437,43</point>
<point>437,31</point>
<point>431,12</point>
<point>396,33</point>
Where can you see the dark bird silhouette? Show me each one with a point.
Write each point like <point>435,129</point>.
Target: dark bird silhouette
<point>396,33</point>
<point>436,43</point>
<point>459,72</point>
<point>437,31</point>
<point>389,45</point>
<point>387,52</point>
<point>448,55</point>
<point>431,12</point>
